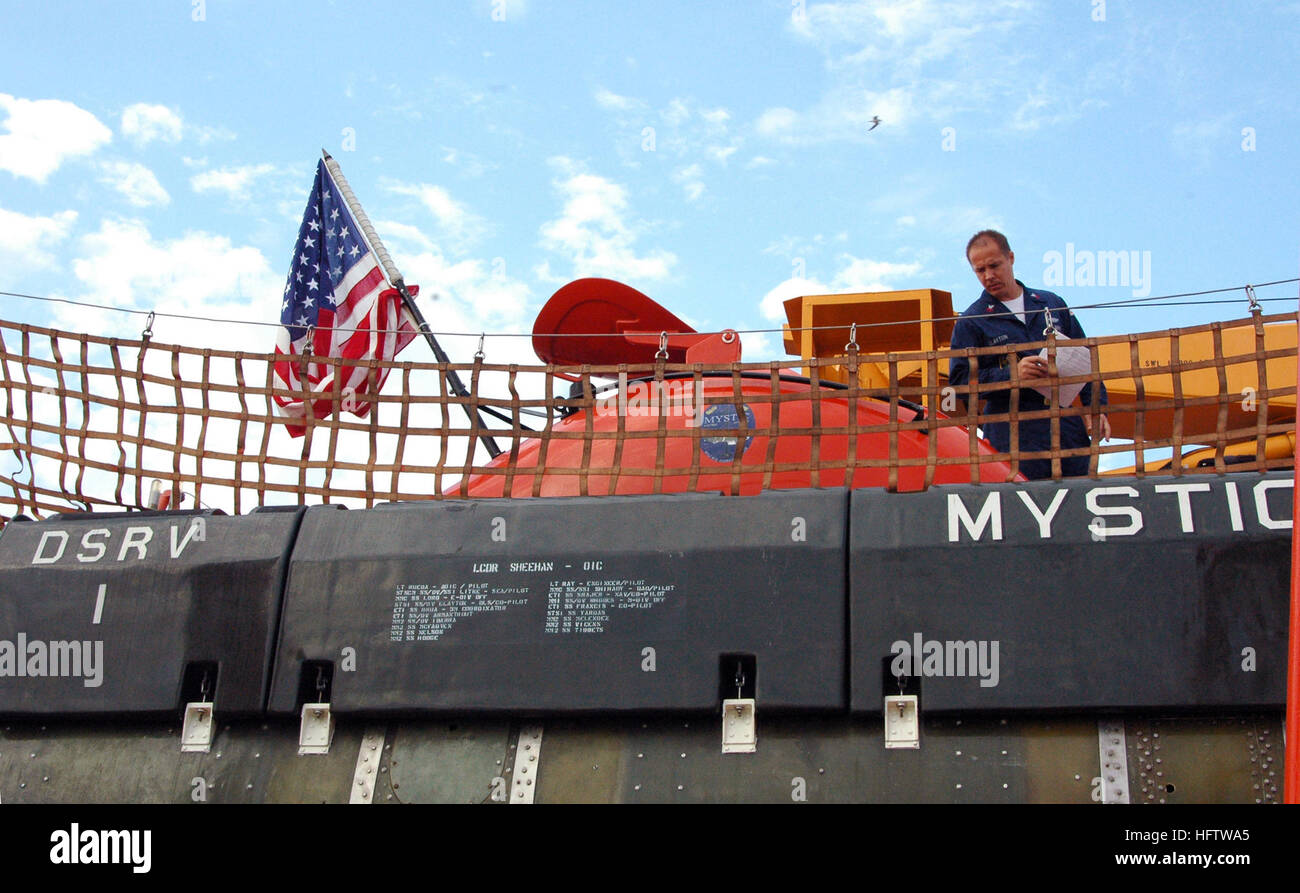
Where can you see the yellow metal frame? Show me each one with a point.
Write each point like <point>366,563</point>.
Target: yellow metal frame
<point>917,319</point>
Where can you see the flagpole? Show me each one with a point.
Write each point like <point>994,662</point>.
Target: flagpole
<point>395,280</point>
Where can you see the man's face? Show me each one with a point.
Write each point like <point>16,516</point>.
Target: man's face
<point>994,269</point>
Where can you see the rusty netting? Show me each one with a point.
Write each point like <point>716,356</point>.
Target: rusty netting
<point>93,423</point>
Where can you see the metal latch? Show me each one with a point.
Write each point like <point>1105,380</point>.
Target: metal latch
<point>739,726</point>
<point>196,730</point>
<point>200,717</point>
<point>739,729</point>
<point>902,721</point>
<point>317,729</point>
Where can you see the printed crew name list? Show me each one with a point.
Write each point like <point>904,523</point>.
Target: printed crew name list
<point>424,612</point>
<point>584,607</point>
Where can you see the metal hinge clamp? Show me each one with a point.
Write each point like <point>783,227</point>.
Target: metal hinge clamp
<point>317,729</point>
<point>902,721</point>
<point>200,721</point>
<point>739,722</point>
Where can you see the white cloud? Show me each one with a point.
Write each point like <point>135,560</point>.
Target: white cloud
<point>236,182</point>
<point>863,274</point>
<point>122,265</point>
<point>682,129</point>
<point>676,113</point>
<point>592,234</point>
<point>25,241</point>
<point>720,154</point>
<point>143,123</point>
<point>470,295</point>
<point>775,121</point>
<point>135,181</point>
<point>856,274</point>
<point>607,99</point>
<point>690,177</point>
<point>393,231</point>
<point>456,223</point>
<point>918,59</point>
<point>758,347</point>
<point>759,161</point>
<point>913,33</point>
<point>43,133</point>
<point>464,295</point>
<point>772,304</point>
<point>470,165</point>
<point>691,128</point>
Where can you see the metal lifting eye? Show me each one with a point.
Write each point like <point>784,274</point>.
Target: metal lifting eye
<point>852,346</point>
<point>662,352</point>
<point>1250,295</point>
<point>1050,329</point>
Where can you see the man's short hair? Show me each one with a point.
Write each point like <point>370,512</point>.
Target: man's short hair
<point>993,236</point>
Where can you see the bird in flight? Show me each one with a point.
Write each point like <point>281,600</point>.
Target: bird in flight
<point>875,122</point>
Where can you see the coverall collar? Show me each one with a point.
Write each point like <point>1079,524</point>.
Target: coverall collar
<point>1033,303</point>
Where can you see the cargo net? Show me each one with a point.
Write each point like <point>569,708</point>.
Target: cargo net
<point>94,424</point>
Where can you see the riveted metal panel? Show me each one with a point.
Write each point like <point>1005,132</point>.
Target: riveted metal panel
<point>452,760</point>
<point>1206,759</point>
<point>1083,594</point>
<point>607,604</point>
<point>821,759</point>
<point>1113,753</point>
<point>369,758</point>
<point>250,761</point>
<point>662,759</point>
<point>102,613</point>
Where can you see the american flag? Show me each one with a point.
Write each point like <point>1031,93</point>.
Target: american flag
<point>336,294</point>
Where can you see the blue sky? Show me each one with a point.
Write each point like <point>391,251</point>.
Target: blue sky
<point>714,155</point>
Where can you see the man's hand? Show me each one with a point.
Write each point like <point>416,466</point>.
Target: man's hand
<point>1033,367</point>
<point>1105,426</point>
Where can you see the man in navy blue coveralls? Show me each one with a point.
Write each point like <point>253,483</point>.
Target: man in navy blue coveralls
<point>1009,313</point>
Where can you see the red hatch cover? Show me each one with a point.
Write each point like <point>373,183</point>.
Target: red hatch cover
<point>604,307</point>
